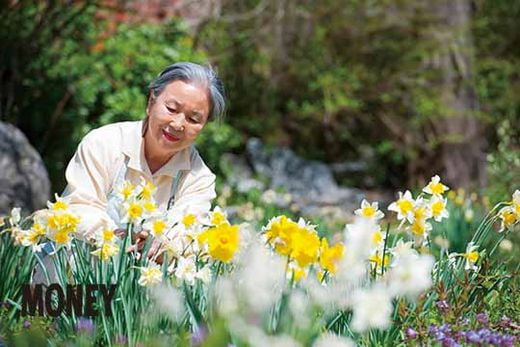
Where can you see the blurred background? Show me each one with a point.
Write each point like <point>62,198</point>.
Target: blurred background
<point>329,101</point>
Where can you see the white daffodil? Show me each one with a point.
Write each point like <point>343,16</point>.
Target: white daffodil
<point>378,237</point>
<point>157,226</point>
<point>508,217</point>
<point>150,275</point>
<point>146,189</point>
<point>438,208</point>
<point>134,211</point>
<point>61,204</point>
<point>126,191</point>
<point>411,275</point>
<point>186,269</point>
<point>372,308</point>
<point>402,249</point>
<point>15,216</point>
<point>421,210</point>
<point>369,210</point>
<point>403,206</point>
<point>435,187</point>
<point>217,216</point>
<point>204,274</point>
<point>471,255</point>
<point>516,203</point>
<point>106,251</point>
<point>419,228</point>
<point>104,236</point>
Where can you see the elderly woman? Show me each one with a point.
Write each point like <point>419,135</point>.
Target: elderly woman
<point>159,149</point>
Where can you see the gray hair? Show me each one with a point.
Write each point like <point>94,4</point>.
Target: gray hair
<point>191,72</point>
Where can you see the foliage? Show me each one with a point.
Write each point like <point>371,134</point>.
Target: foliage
<point>231,284</point>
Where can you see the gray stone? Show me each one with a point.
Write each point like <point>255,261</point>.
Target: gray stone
<point>24,181</point>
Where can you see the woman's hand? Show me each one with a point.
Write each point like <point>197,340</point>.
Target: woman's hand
<point>139,240</point>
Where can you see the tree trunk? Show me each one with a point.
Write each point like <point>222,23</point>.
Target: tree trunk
<point>461,157</point>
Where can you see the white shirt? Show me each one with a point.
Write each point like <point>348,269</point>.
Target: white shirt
<point>93,168</point>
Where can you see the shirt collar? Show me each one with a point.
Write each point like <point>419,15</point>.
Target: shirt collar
<point>133,148</point>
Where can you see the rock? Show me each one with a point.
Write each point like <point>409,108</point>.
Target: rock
<point>310,183</point>
<point>24,181</point>
<point>241,175</point>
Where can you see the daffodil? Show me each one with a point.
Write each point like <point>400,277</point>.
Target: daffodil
<point>15,216</point>
<point>404,206</point>
<point>147,190</point>
<point>106,251</point>
<point>218,217</point>
<point>156,226</point>
<point>330,256</point>
<point>438,208</point>
<point>278,233</point>
<point>471,255</point>
<point>186,269</point>
<point>105,235</point>
<point>419,228</point>
<point>222,241</point>
<point>126,191</point>
<point>421,210</point>
<point>134,211</point>
<point>378,259</point>
<point>61,204</point>
<point>189,220</point>
<point>304,247</point>
<point>516,203</point>
<point>149,206</point>
<point>435,187</point>
<point>378,237</point>
<point>508,217</point>
<point>369,210</point>
<point>150,275</point>
<point>296,272</point>
<point>33,236</point>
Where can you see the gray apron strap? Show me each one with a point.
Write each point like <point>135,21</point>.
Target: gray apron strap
<point>177,179</point>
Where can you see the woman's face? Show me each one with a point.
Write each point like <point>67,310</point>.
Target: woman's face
<point>176,117</point>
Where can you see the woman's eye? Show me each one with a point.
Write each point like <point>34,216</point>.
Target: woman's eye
<point>171,110</point>
<point>194,120</point>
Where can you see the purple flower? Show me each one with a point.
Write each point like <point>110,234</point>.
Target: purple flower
<point>26,324</point>
<point>85,326</point>
<point>473,337</point>
<point>442,306</point>
<point>449,342</point>
<point>482,318</point>
<point>504,322</point>
<point>410,333</point>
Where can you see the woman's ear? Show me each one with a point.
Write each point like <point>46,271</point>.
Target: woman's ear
<point>151,100</point>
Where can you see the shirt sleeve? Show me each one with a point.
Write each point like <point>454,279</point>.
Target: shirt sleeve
<point>88,181</point>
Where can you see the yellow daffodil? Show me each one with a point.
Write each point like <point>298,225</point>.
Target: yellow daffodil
<point>419,228</point>
<point>222,241</point>
<point>150,275</point>
<point>304,246</point>
<point>297,273</point>
<point>369,210</point>
<point>435,187</point>
<point>278,233</point>
<point>106,251</point>
<point>330,256</point>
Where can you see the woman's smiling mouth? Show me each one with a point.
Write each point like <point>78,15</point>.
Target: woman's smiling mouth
<point>169,137</point>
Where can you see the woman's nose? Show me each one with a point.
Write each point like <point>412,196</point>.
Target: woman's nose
<point>177,122</point>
